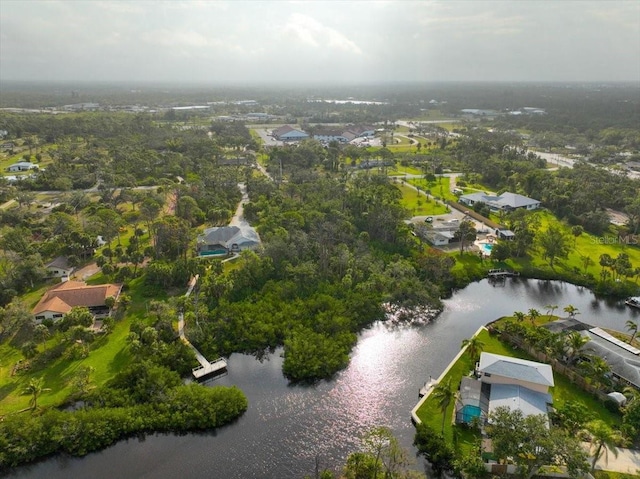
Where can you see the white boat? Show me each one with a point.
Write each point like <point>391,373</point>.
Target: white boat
<point>633,301</point>
<point>428,386</point>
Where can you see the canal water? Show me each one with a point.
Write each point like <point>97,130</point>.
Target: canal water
<point>287,427</point>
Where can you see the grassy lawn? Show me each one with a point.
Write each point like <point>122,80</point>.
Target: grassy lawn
<point>614,475</point>
<point>419,204</point>
<point>585,245</point>
<point>440,188</point>
<point>571,268</point>
<point>430,414</point>
<point>406,170</point>
<point>107,355</point>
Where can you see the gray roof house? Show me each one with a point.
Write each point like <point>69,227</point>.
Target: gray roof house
<point>504,382</point>
<point>622,358</point>
<point>22,166</point>
<point>503,202</point>
<point>59,267</point>
<point>223,240</point>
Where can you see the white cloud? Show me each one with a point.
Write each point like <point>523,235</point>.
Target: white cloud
<point>311,32</point>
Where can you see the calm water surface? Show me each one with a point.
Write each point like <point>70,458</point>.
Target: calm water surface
<point>286,426</point>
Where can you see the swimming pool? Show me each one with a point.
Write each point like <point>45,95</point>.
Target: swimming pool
<point>468,413</point>
<point>486,248</point>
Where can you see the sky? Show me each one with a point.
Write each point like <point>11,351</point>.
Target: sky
<point>319,41</point>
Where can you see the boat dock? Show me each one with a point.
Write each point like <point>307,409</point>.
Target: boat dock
<point>206,368</point>
<point>501,273</point>
<point>209,368</point>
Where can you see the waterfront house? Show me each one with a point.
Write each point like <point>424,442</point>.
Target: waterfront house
<point>622,358</point>
<point>59,300</point>
<point>505,381</point>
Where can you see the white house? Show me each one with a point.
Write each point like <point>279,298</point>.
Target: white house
<point>59,268</point>
<point>503,381</point>
<point>504,202</point>
<point>22,166</point>
<point>498,369</point>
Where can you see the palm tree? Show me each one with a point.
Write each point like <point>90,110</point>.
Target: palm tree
<point>596,369</point>
<point>35,389</point>
<point>571,310</point>
<point>574,342</point>
<point>632,327</point>
<point>474,347</point>
<point>604,439</point>
<point>443,394</point>
<point>533,314</point>
<point>519,315</point>
<point>551,308</point>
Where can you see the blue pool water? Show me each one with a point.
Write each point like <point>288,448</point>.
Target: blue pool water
<point>486,248</point>
<point>469,412</point>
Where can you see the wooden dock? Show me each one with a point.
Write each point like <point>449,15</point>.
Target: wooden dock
<point>501,273</point>
<point>210,368</point>
<point>206,368</point>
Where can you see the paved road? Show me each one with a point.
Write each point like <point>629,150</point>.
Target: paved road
<point>238,217</point>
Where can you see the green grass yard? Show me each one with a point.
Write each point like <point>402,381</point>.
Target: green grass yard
<point>419,204</point>
<point>107,355</point>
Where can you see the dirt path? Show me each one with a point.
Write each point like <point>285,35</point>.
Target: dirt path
<point>86,271</point>
<point>170,207</point>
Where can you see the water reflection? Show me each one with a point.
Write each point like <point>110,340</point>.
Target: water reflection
<point>286,426</point>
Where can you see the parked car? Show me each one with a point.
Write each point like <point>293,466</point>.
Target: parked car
<point>428,219</point>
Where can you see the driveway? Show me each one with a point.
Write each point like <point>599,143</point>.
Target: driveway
<point>86,271</point>
<point>628,461</point>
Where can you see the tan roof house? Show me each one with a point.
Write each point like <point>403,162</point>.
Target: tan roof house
<point>61,298</point>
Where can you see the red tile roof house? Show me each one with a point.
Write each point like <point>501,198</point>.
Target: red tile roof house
<point>59,300</point>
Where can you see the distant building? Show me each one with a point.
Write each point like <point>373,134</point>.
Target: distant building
<point>289,133</point>
<point>503,202</point>
<point>81,107</point>
<point>22,166</point>
<point>478,112</point>
<point>343,135</point>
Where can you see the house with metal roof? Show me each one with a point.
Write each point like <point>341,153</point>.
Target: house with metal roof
<point>224,240</point>
<point>498,369</point>
<point>503,381</point>
<point>503,202</point>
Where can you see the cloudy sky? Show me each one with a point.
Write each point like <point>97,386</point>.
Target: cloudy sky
<point>309,41</point>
